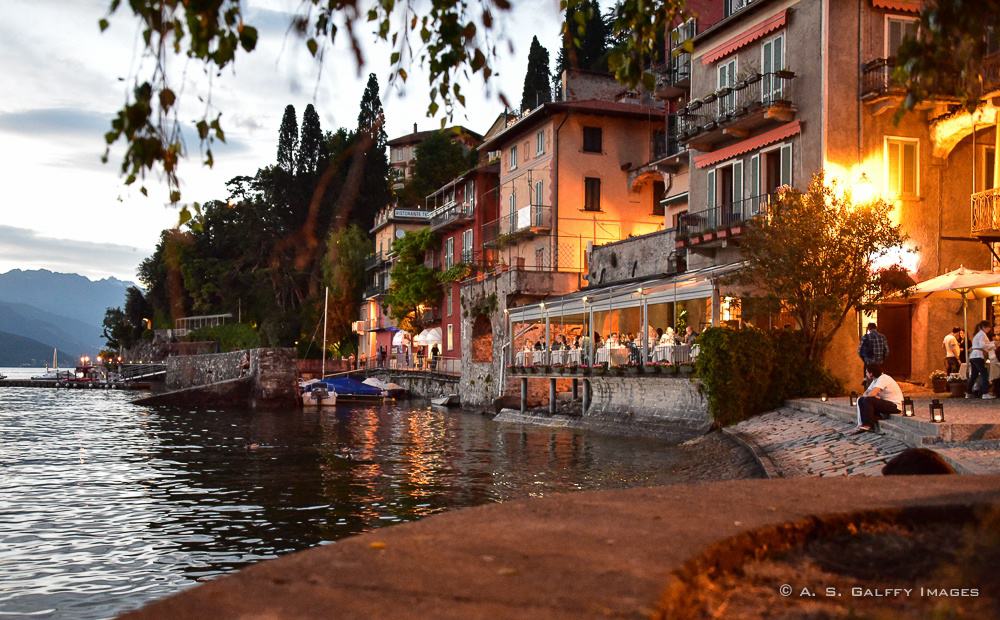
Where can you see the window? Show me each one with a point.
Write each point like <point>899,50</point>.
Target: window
<point>678,217</point>
<point>898,28</point>
<point>451,336</point>
<point>902,168</point>
<point>540,258</point>
<point>511,212</point>
<point>769,170</point>
<point>591,194</point>
<point>467,246</point>
<point>726,79</point>
<point>540,142</point>
<point>449,252</point>
<point>513,157</point>
<point>984,175</point>
<point>448,300</point>
<point>725,195</point>
<point>659,189</point>
<point>470,194</point>
<point>538,192</point>
<point>772,59</point>
<point>592,140</point>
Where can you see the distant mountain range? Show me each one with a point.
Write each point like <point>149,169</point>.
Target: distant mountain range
<point>55,310</point>
<point>21,351</point>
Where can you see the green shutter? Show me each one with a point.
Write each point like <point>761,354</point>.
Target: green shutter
<point>786,164</point>
<point>755,183</point>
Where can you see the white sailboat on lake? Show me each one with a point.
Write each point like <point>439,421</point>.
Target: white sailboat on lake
<point>53,373</point>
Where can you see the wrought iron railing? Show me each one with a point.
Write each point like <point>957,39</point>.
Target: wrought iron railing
<point>725,215</point>
<point>373,261</point>
<point>528,218</point>
<point>986,211</point>
<point>732,103</point>
<point>450,213</point>
<point>877,78</point>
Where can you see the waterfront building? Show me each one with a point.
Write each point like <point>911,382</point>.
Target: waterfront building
<point>777,90</point>
<point>403,150</point>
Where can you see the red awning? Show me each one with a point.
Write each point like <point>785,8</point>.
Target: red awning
<point>911,6</point>
<point>764,28</point>
<point>750,144</point>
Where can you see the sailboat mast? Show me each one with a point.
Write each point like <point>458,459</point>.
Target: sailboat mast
<point>326,301</point>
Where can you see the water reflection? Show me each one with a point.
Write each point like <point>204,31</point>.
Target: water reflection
<point>105,505</point>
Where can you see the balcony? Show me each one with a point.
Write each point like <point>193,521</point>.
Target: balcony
<point>526,222</point>
<point>716,225</point>
<point>374,261</point>
<point>751,105</point>
<point>379,287</point>
<point>451,215</point>
<point>877,81</point>
<point>986,215</point>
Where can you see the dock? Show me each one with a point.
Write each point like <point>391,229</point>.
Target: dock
<point>75,385</point>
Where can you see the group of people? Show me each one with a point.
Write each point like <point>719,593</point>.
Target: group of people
<point>629,340</point>
<point>983,348</point>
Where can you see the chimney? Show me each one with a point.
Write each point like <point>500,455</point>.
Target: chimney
<point>414,128</point>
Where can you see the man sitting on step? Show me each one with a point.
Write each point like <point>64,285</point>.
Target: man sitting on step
<point>882,398</point>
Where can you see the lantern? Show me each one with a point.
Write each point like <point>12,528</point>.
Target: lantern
<point>937,411</point>
<point>908,407</point>
<point>823,397</point>
<point>854,399</point>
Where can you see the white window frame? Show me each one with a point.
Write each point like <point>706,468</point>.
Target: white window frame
<point>771,87</point>
<point>983,171</point>
<point>449,252</point>
<point>451,336</point>
<point>885,30</point>
<point>512,164</point>
<point>540,142</point>
<point>900,140</point>
<point>784,150</point>
<point>539,190</point>
<point>728,102</point>
<point>470,194</point>
<point>467,244</point>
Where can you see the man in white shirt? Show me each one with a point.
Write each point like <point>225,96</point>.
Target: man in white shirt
<point>882,398</point>
<point>952,351</point>
<point>979,377</point>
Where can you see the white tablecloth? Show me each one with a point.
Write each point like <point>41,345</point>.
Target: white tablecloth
<point>617,356</point>
<point>675,354</point>
<point>566,357</point>
<point>994,368</point>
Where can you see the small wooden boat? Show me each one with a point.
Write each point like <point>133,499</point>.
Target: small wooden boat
<point>449,400</point>
<point>318,395</point>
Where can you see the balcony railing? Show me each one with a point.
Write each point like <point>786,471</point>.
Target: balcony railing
<point>722,216</point>
<point>986,213</point>
<point>526,220</point>
<point>450,214</point>
<point>739,105</point>
<point>877,80</point>
<point>373,261</point>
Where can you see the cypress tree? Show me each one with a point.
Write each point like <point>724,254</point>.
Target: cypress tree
<point>309,142</point>
<point>375,189</point>
<point>288,140</point>
<point>536,80</point>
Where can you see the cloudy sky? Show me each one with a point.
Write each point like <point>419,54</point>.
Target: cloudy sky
<point>62,80</point>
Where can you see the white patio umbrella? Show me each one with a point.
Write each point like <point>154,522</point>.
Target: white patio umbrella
<point>428,337</point>
<point>961,284</point>
<point>400,338</point>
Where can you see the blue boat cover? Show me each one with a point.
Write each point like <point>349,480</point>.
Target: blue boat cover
<point>349,386</point>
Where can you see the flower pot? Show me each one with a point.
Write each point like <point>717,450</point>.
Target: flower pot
<point>633,370</point>
<point>685,370</point>
<point>939,385</point>
<point>669,370</point>
<point>957,388</point>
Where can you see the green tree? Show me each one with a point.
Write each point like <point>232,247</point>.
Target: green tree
<point>310,140</point>
<point>536,89</point>
<point>947,57</point>
<point>439,159</point>
<point>115,329</point>
<point>815,251</point>
<point>414,286</point>
<point>375,188</point>
<point>288,140</point>
<point>137,312</point>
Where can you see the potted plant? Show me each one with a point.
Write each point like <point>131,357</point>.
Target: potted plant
<point>956,385</point>
<point>633,369</point>
<point>685,370</point>
<point>668,369</point>
<point>939,381</point>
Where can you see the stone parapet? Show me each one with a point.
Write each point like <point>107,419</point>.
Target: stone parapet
<point>269,380</point>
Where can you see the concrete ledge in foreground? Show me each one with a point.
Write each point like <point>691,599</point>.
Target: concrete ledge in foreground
<point>578,555</point>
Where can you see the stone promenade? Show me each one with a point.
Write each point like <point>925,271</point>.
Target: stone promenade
<point>809,438</point>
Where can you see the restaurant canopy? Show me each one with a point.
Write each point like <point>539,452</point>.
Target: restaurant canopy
<point>428,337</point>
<point>696,284</point>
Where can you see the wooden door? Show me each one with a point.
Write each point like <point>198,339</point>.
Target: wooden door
<point>894,322</point>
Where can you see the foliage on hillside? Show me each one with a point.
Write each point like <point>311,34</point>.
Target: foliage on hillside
<point>230,337</point>
<point>414,286</point>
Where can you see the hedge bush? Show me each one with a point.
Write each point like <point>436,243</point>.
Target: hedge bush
<point>232,337</point>
<point>749,371</point>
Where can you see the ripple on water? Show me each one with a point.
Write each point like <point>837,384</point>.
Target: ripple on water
<point>106,505</point>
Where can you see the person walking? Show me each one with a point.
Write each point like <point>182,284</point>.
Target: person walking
<point>982,344</point>
<point>882,398</point>
<point>952,351</point>
<point>874,348</point>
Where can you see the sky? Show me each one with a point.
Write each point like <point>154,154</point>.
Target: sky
<point>62,80</point>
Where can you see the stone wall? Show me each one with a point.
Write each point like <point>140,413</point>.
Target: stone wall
<point>272,373</point>
<point>637,257</point>
<point>420,384</point>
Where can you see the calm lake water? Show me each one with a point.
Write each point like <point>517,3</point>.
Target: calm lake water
<point>105,505</point>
